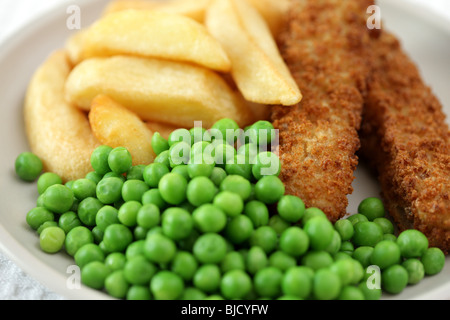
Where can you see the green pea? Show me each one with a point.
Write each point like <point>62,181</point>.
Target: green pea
<point>363,255</point>
<point>345,229</point>
<point>153,173</point>
<point>200,190</point>
<point>326,285</point>
<point>159,248</point>
<point>297,281</point>
<point>83,188</point>
<point>294,241</point>
<point>223,153</point>
<point>88,253</point>
<point>256,259</point>
<point>133,190</point>
<point>69,220</point>
<point>217,176</point>
<point>269,189</point>
<point>412,243</point>
<point>166,285</point>
<point>367,233</point>
<point>163,158</point>
<point>207,278</point>
<point>265,237</point>
<point>94,275</point>
<point>138,293</point>
<point>117,237</point>
<point>263,132</point>
<point>320,232</point>
<point>344,269</point>
<point>52,239</point>
<point>335,244</point>
<point>227,128</point>
<point>351,293</point>
<point>267,282</point>
<point>249,151</point>
<point>232,260</point>
<point>37,216</point>
<point>370,293</point>
<point>291,208</point>
<point>239,229</point>
<point>182,169</point>
<point>28,166</point>
<point>159,144</point>
<point>357,217</point>
<point>106,216</point>
<point>46,180</point>
<point>416,270</point>
<point>235,284</point>
<point>99,159</point>
<point>136,172</point>
<point>282,260</point>
<point>433,260</point>
<point>394,279</point>
<point>179,154</point>
<point>310,213</point>
<point>109,190</point>
<point>385,224</point>
<point>76,238</point>
<point>372,208</point>
<point>385,254</point>
<point>266,164</point>
<point>94,176</point>
<point>238,185</point>
<point>278,224</point>
<point>229,202</point>
<point>179,135</point>
<point>184,264</point>
<point>173,188</point>
<point>119,160</point>
<point>134,249</point>
<point>177,223</point>
<point>317,260</point>
<point>258,212</point>
<point>139,271</point>
<point>116,285</point>
<point>192,293</point>
<point>210,248</point>
<point>153,196</point>
<point>115,261</point>
<point>58,198</point>
<point>88,209</point>
<point>209,218</point>
<point>148,216</point>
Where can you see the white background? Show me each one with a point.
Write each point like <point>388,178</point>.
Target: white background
<point>14,283</point>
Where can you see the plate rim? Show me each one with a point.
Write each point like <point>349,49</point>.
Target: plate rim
<point>15,251</point>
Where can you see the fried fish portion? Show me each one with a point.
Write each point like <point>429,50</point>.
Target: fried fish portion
<point>324,45</point>
<point>405,137</point>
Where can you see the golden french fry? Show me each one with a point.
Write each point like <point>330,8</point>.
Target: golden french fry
<point>157,90</point>
<point>74,47</point>
<point>116,126</point>
<point>155,34</point>
<point>194,9</point>
<point>273,11</point>
<point>257,66</point>
<point>58,132</point>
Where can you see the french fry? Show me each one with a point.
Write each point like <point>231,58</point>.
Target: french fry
<point>273,11</point>
<point>74,47</point>
<point>116,126</point>
<point>194,9</point>
<point>58,132</point>
<point>157,90</point>
<point>154,34</point>
<point>257,66</point>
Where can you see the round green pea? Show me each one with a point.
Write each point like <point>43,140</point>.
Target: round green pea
<point>258,212</point>
<point>109,190</point>
<point>106,216</point>
<point>412,243</point>
<point>159,144</point>
<point>177,223</point>
<point>394,279</point>
<point>239,229</point>
<point>209,218</point>
<point>69,220</point>
<point>52,239</point>
<point>267,282</point>
<point>138,293</point>
<point>88,253</point>
<point>128,212</point>
<point>291,208</point>
<point>166,285</point>
<point>266,238</point>
<point>117,237</point>
<point>317,260</point>
<point>159,248</point>
<point>94,275</point>
<point>39,215</point>
<point>173,188</point>
<point>269,189</point>
<point>229,202</point>
<point>46,180</point>
<point>207,278</point>
<point>210,248</point>
<point>88,209</point>
<point>58,198</point>
<point>148,216</point>
<point>294,241</point>
<point>115,261</point>
<point>120,160</point>
<point>266,164</point>
<point>320,232</point>
<point>297,281</point>
<point>116,285</point>
<point>235,284</point>
<point>139,271</point>
<point>83,188</point>
<point>367,233</point>
<point>184,264</point>
<point>133,190</point>
<point>238,185</point>
<point>385,254</point>
<point>326,284</point>
<point>76,238</point>
<point>200,190</point>
<point>345,229</point>
<point>372,208</point>
<point>433,260</point>
<point>153,173</point>
<point>416,270</point>
<point>28,166</point>
<point>99,159</point>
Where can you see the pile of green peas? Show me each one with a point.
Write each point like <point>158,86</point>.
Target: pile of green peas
<point>218,229</point>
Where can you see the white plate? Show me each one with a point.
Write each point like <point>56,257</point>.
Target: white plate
<point>425,37</point>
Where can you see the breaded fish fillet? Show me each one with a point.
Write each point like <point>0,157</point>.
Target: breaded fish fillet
<point>324,45</point>
<point>406,139</point>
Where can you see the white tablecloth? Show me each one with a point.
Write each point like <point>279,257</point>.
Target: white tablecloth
<point>14,283</point>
